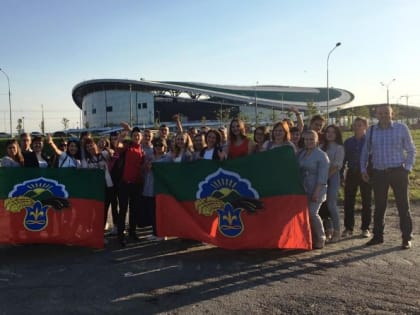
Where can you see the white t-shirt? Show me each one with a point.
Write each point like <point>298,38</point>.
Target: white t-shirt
<point>208,154</point>
<point>66,160</point>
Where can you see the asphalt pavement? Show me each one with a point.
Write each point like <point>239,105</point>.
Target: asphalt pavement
<point>187,277</point>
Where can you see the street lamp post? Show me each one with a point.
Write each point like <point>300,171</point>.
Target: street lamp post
<point>256,104</point>
<point>387,89</point>
<point>10,102</point>
<point>328,84</point>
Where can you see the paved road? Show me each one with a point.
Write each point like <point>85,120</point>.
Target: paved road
<point>180,277</point>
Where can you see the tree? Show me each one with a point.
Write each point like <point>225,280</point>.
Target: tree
<point>273,116</point>
<point>65,122</point>
<point>312,109</point>
<point>244,117</point>
<point>223,115</point>
<point>203,120</point>
<point>361,111</point>
<point>42,126</point>
<point>19,126</point>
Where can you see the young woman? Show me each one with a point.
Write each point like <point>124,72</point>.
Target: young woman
<point>261,135</point>
<point>37,158</point>
<point>68,156</point>
<point>314,165</point>
<point>149,200</point>
<point>280,136</point>
<point>97,159</point>
<point>13,157</point>
<point>198,145</point>
<point>295,136</point>
<point>182,148</point>
<point>213,150</point>
<point>112,198</point>
<point>334,148</point>
<point>238,143</point>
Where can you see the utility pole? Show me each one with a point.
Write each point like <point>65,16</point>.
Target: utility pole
<point>42,120</point>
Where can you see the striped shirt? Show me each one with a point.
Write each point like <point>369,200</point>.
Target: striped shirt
<point>391,147</point>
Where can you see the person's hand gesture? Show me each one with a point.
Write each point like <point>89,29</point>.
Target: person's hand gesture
<point>125,126</point>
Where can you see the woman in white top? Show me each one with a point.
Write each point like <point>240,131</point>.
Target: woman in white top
<point>213,150</point>
<point>68,158</point>
<point>182,148</point>
<point>334,148</point>
<point>13,157</point>
<point>95,159</point>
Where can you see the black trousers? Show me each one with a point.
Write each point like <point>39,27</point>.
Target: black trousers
<point>150,210</point>
<point>397,179</point>
<point>129,197</point>
<point>352,183</point>
<point>111,198</point>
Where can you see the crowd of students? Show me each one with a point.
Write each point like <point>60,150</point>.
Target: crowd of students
<point>127,157</point>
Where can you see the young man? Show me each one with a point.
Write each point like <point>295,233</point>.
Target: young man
<point>131,185</point>
<point>393,153</point>
<point>25,142</point>
<point>353,180</point>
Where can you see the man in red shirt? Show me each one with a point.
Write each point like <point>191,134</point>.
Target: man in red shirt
<point>131,186</point>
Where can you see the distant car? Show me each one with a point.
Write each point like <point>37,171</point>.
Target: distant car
<point>4,135</point>
<point>59,134</point>
<point>36,134</point>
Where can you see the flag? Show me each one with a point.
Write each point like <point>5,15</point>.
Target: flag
<point>255,201</point>
<point>54,206</point>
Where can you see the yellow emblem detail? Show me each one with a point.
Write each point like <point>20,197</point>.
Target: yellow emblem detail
<point>16,204</point>
<point>207,206</point>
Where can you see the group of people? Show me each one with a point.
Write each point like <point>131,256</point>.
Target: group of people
<point>325,161</point>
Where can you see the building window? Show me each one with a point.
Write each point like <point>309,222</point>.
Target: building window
<point>142,105</point>
<point>93,110</point>
<point>84,113</point>
<point>109,109</point>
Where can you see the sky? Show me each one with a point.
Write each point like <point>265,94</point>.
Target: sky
<point>49,46</point>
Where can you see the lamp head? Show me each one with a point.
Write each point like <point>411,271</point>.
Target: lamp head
<point>338,44</point>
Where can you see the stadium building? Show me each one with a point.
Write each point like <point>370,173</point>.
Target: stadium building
<point>107,102</point>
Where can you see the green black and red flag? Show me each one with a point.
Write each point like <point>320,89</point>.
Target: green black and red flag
<point>255,201</point>
<point>54,206</point>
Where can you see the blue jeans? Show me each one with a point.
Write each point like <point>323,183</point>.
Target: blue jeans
<point>332,196</point>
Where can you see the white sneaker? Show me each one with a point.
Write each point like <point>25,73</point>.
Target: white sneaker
<point>365,233</point>
<point>114,231</point>
<point>154,238</point>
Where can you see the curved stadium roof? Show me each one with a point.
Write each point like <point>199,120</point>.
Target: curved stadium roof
<point>267,95</point>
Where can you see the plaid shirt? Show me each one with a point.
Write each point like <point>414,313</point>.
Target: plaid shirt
<point>391,147</point>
